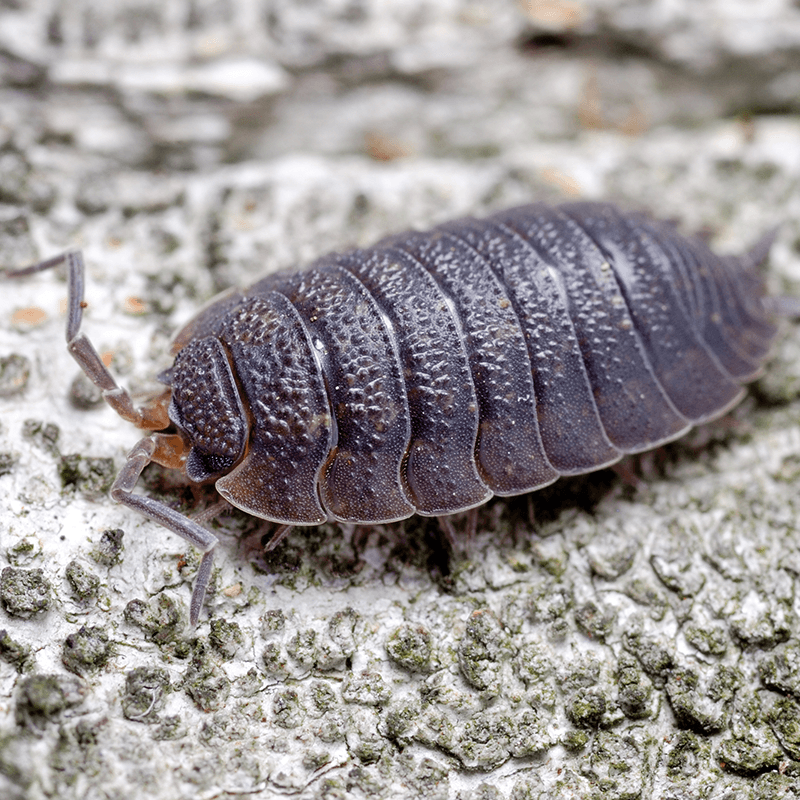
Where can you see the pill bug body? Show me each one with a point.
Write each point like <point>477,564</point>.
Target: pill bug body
<point>435,369</point>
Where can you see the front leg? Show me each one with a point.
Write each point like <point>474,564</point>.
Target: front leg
<point>159,448</point>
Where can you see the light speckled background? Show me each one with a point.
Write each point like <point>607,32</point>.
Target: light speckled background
<point>632,642</point>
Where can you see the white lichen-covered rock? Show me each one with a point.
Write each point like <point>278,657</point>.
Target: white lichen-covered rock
<point>634,635</point>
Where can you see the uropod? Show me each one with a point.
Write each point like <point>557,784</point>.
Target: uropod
<point>433,370</point>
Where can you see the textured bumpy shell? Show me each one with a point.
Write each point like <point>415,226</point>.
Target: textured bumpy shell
<point>433,370</point>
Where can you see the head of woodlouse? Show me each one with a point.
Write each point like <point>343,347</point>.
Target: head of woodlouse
<point>207,410</point>
<point>249,405</point>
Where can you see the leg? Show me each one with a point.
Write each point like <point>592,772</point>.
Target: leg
<point>624,469</point>
<point>152,417</point>
<point>281,532</point>
<point>472,526</point>
<point>462,542</point>
<point>142,454</point>
<point>531,512</point>
<point>449,530</point>
<point>212,512</point>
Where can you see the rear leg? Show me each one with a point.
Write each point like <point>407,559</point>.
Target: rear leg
<point>162,448</point>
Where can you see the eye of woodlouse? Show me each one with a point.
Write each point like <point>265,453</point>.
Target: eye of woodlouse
<point>435,369</point>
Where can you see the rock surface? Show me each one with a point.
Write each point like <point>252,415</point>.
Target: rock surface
<point>621,637</point>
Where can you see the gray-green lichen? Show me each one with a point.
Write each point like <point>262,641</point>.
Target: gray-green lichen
<point>482,650</point>
<point>83,394</point>
<point>92,476</point>
<point>410,646</point>
<point>635,690</point>
<point>162,619</point>
<point>84,583</point>
<point>205,681</point>
<point>42,697</point>
<point>15,371</point>
<point>43,434</point>
<point>225,637</point>
<point>25,592</point>
<point>143,697</point>
<point>86,650</point>
<point>287,710</point>
<point>366,688</point>
<point>752,747</point>
<point>7,462</point>
<point>108,550</point>
<point>13,652</point>
<point>593,621</point>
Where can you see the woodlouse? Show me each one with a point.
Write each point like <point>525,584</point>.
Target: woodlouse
<point>433,370</point>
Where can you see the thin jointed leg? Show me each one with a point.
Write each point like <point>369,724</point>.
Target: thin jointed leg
<point>151,417</point>
<point>281,532</point>
<point>205,541</point>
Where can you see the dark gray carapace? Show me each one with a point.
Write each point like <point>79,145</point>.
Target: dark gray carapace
<point>433,370</point>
